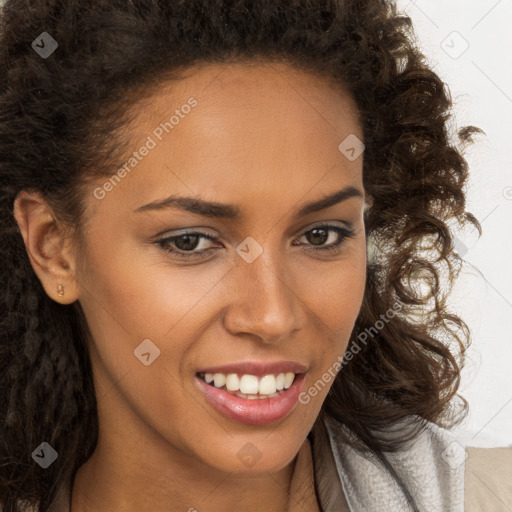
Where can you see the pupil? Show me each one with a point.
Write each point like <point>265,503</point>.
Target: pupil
<point>185,246</point>
<point>322,237</point>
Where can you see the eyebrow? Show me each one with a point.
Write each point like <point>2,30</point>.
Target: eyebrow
<point>228,211</point>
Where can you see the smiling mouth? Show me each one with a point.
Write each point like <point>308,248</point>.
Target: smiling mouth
<point>248,386</point>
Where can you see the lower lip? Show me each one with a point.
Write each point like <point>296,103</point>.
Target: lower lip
<point>260,411</point>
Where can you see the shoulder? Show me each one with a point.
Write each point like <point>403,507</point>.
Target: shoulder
<point>430,465</point>
<point>488,479</point>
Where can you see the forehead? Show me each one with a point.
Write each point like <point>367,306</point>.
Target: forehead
<point>244,90</point>
<point>242,132</point>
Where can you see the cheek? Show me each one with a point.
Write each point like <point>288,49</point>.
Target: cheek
<point>128,299</point>
<point>131,298</point>
<point>140,295</point>
<point>336,294</point>
<point>335,303</point>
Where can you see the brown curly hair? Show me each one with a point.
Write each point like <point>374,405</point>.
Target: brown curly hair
<point>63,121</point>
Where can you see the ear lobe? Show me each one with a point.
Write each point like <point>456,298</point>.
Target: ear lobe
<point>47,246</point>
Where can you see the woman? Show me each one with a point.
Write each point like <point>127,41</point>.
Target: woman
<point>190,318</point>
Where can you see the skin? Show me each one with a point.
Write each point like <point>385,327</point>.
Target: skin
<point>263,137</point>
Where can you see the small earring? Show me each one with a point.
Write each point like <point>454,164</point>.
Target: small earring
<point>60,290</point>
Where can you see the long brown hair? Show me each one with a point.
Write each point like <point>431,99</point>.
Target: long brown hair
<point>61,123</point>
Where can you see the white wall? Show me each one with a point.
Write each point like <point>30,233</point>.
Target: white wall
<point>480,80</point>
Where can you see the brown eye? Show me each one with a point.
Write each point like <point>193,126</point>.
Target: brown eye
<point>186,242</point>
<point>184,245</point>
<point>319,235</point>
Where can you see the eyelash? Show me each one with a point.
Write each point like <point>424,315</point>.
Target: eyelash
<point>333,248</point>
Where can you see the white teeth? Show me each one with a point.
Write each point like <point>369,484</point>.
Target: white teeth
<point>219,379</point>
<point>248,385</point>
<point>267,385</point>
<point>288,379</point>
<point>232,382</point>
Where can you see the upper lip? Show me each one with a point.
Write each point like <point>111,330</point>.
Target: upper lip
<point>257,368</point>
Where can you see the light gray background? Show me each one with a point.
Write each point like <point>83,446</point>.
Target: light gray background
<point>480,81</point>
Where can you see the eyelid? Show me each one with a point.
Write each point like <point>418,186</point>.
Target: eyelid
<point>164,235</point>
<point>344,223</point>
<point>170,233</point>
<point>343,233</point>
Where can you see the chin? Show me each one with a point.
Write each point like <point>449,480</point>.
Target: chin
<point>254,454</point>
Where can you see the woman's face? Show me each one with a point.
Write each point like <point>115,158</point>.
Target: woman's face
<point>260,141</point>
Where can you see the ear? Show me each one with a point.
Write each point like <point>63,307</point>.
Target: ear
<point>50,252</point>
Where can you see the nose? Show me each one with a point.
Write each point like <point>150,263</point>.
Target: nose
<point>265,302</point>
